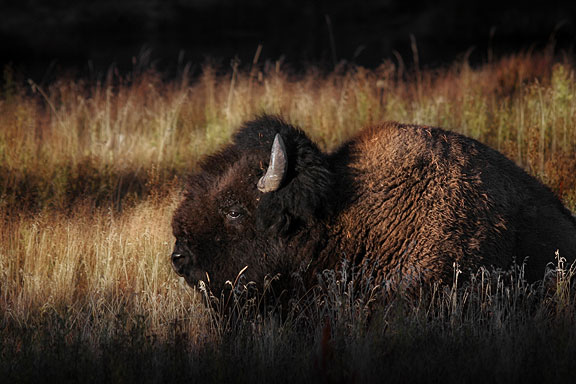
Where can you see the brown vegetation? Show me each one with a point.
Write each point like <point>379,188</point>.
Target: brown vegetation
<point>89,176</point>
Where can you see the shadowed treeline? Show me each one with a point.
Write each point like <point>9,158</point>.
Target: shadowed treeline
<point>36,34</point>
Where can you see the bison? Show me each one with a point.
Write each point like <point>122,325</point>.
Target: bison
<point>406,201</point>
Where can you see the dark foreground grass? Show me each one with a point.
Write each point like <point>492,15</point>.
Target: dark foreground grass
<point>492,328</point>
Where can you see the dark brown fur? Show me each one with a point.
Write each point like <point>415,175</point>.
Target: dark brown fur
<point>406,201</point>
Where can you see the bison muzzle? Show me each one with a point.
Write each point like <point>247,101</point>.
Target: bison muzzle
<point>406,201</point>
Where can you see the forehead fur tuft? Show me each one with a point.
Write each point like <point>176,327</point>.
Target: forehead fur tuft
<point>260,132</point>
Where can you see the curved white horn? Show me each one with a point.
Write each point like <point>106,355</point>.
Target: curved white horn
<point>277,169</point>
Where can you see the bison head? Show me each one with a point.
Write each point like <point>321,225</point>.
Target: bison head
<point>255,207</point>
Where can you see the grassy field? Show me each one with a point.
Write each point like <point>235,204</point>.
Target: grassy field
<point>91,171</point>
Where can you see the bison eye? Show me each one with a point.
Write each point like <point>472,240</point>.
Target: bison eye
<point>233,214</point>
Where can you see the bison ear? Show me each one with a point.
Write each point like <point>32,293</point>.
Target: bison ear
<point>298,185</point>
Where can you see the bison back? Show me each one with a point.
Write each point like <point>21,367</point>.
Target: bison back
<point>417,200</point>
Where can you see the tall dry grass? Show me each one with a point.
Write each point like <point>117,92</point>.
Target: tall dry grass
<point>90,173</point>
<point>105,140</point>
<point>92,265</point>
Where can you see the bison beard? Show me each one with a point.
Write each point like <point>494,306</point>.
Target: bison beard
<point>405,201</point>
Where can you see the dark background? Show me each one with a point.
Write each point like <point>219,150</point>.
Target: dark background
<point>38,36</point>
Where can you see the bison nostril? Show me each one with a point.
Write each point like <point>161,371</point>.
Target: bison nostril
<point>176,256</point>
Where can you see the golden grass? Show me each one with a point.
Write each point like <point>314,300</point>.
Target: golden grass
<point>102,139</point>
<point>92,266</point>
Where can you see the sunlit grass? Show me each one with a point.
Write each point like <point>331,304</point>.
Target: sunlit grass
<point>92,265</point>
<point>101,139</point>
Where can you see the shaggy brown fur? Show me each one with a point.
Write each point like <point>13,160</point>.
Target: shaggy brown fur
<point>405,201</point>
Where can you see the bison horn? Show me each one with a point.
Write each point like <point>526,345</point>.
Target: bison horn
<point>277,169</point>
